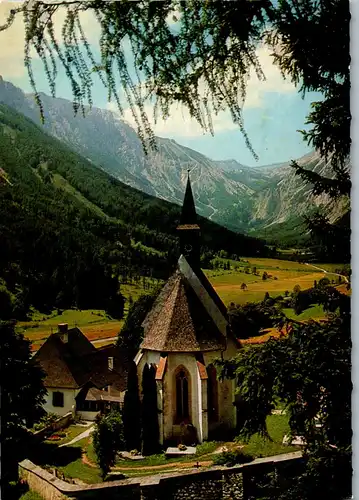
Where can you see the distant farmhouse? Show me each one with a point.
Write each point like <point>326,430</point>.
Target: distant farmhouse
<point>79,377</point>
<point>184,333</point>
<point>186,330</point>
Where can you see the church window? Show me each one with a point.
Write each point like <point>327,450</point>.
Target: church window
<point>182,396</point>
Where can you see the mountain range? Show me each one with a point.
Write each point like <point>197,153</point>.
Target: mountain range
<point>267,201</point>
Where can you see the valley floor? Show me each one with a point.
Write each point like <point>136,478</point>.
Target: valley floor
<point>283,276</point>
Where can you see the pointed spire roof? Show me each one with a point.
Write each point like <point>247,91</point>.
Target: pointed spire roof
<point>187,316</point>
<point>188,215</point>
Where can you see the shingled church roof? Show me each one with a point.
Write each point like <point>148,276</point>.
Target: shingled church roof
<point>188,315</point>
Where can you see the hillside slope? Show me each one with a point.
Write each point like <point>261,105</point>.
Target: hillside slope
<point>67,228</point>
<point>267,200</point>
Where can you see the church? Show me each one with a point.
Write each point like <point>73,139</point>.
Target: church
<point>184,333</point>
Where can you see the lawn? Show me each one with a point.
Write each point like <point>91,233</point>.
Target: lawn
<point>69,461</point>
<point>314,312</point>
<point>278,427</point>
<point>31,495</point>
<point>71,432</point>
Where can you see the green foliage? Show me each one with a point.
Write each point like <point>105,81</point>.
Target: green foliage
<point>323,294</point>
<point>46,420</point>
<point>22,396</point>
<point>108,439</point>
<point>331,241</point>
<point>323,282</point>
<point>248,320</point>
<point>150,429</point>
<point>131,334</point>
<point>6,302</point>
<point>132,410</point>
<point>309,372</point>
<point>31,495</point>
<point>231,458</point>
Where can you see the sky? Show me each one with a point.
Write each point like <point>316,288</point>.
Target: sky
<point>273,111</point>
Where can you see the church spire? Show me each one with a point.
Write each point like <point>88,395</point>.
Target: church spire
<point>189,231</point>
<point>188,215</point>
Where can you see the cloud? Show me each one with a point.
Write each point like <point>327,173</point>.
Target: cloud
<point>12,44</point>
<point>257,90</point>
<point>180,123</point>
<point>12,40</point>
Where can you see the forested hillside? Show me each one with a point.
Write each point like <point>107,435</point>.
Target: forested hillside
<point>70,232</point>
<point>268,202</point>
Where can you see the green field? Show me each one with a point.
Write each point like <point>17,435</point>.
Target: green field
<point>330,267</point>
<point>314,312</point>
<point>284,275</point>
<point>95,324</point>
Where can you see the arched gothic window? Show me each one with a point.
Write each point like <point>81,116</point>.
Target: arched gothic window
<point>212,394</point>
<point>182,396</point>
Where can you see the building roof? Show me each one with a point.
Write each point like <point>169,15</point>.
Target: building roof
<point>188,214</point>
<point>88,393</point>
<point>72,364</point>
<point>187,316</point>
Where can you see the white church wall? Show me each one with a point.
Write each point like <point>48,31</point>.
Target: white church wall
<point>160,406</point>
<point>148,357</point>
<point>175,360</point>
<point>198,382</point>
<point>166,392</point>
<point>232,348</point>
<point>226,409</point>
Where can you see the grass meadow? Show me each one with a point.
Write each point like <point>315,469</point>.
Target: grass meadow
<point>101,328</point>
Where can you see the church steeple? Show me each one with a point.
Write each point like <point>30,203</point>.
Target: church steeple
<point>188,215</point>
<point>189,229</point>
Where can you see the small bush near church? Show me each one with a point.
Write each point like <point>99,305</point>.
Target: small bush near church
<point>230,458</point>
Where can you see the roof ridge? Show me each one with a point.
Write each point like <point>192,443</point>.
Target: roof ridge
<point>200,290</point>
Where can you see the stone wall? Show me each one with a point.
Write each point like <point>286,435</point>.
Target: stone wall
<point>215,483</point>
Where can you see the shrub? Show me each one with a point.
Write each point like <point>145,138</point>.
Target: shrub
<point>231,458</point>
<point>108,440</point>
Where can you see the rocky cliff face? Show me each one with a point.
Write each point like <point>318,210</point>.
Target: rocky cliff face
<point>250,199</point>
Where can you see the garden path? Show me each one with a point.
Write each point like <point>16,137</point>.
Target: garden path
<point>83,435</point>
